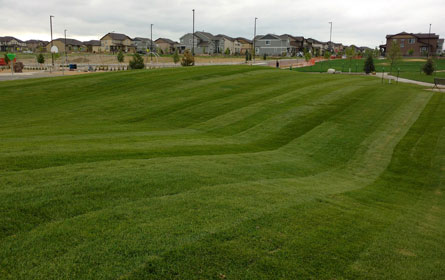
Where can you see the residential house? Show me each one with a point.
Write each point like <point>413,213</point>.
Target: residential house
<point>204,43</point>
<point>36,45</point>
<point>316,48</point>
<point>68,45</point>
<point>415,44</point>
<point>167,45</point>
<point>115,42</point>
<point>246,45</point>
<point>144,45</point>
<point>11,44</point>
<point>440,46</point>
<point>228,43</point>
<point>276,45</point>
<point>93,46</point>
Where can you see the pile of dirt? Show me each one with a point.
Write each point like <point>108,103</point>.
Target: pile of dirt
<point>80,60</point>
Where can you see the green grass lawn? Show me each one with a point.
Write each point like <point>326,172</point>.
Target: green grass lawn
<point>221,173</point>
<point>409,68</point>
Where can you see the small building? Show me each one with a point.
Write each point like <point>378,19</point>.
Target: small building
<point>413,44</point>
<point>246,45</point>
<point>36,45</point>
<point>11,44</point>
<point>167,45</point>
<point>93,46</point>
<point>72,45</point>
<point>144,45</point>
<point>115,42</point>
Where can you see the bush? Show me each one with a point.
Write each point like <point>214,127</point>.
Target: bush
<point>264,56</point>
<point>428,68</point>
<point>176,57</point>
<point>327,54</point>
<point>307,56</point>
<point>40,59</point>
<point>369,65</point>
<point>227,52</point>
<point>137,62</point>
<point>120,57</point>
<point>188,59</point>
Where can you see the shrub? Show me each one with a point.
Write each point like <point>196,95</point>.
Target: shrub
<point>176,57</point>
<point>6,59</point>
<point>428,68</point>
<point>188,59</point>
<point>227,52</point>
<point>120,57</point>
<point>411,52</point>
<point>137,62</point>
<point>40,59</point>
<point>369,65</point>
<point>264,56</point>
<point>327,54</point>
<point>307,56</point>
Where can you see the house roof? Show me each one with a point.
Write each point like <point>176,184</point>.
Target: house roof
<point>165,40</point>
<point>117,36</point>
<point>205,36</point>
<point>33,41</point>
<point>268,37</point>
<point>244,40</point>
<point>72,42</point>
<point>92,43</point>
<point>225,37</point>
<point>9,38</point>
<point>417,35</point>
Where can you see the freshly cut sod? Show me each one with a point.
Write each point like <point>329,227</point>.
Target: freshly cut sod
<point>221,173</point>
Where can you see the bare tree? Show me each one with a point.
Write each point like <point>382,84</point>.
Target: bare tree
<point>394,54</point>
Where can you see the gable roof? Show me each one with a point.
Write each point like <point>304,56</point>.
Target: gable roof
<point>417,35</point>
<point>9,38</point>
<point>225,37</point>
<point>268,37</point>
<point>164,40</point>
<point>205,36</point>
<point>33,41</point>
<point>244,40</point>
<point>117,36</point>
<point>72,42</point>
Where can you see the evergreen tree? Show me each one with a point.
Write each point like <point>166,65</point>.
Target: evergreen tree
<point>40,59</point>
<point>137,62</point>
<point>428,68</point>
<point>369,65</point>
<point>188,59</point>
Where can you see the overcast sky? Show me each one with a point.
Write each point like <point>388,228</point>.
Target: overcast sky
<point>363,23</point>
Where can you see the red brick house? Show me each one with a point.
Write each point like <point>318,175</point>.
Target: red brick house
<point>413,44</point>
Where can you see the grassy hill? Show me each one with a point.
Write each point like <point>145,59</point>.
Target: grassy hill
<point>221,173</point>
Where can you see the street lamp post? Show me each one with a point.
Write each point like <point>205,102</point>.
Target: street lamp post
<point>254,37</point>
<point>330,37</point>
<point>429,35</point>
<point>51,28</point>
<point>66,59</point>
<point>151,43</point>
<point>193,34</point>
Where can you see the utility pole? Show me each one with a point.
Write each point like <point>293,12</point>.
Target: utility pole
<point>51,28</point>
<point>330,38</point>
<point>193,34</point>
<point>66,59</point>
<point>429,35</point>
<point>254,37</point>
<point>151,43</point>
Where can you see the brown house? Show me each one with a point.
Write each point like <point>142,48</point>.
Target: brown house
<point>36,45</point>
<point>246,45</point>
<point>413,44</point>
<point>72,45</point>
<point>166,45</point>
<point>93,46</point>
<point>115,42</point>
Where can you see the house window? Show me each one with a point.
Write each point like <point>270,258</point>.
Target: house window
<point>411,41</point>
<point>402,43</point>
<point>267,43</point>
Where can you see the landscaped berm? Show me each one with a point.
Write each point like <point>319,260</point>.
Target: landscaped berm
<point>221,173</point>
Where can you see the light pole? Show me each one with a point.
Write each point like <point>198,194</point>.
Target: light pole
<point>151,43</point>
<point>51,28</point>
<point>254,37</point>
<point>66,59</point>
<point>193,34</point>
<point>429,35</point>
<point>330,38</point>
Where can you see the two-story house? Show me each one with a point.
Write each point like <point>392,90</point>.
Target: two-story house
<point>246,45</point>
<point>115,42</point>
<point>70,45</point>
<point>144,45</point>
<point>413,44</point>
<point>204,43</point>
<point>11,44</point>
<point>228,43</point>
<point>167,45</point>
<point>275,45</point>
<point>36,45</point>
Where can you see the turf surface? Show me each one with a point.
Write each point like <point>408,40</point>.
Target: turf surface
<point>221,173</point>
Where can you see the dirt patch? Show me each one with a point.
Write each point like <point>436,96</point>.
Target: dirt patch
<point>414,60</point>
<point>406,253</point>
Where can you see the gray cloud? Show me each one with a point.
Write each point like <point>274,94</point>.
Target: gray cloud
<point>354,22</point>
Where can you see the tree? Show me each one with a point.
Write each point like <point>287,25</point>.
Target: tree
<point>394,54</point>
<point>137,62</point>
<point>307,56</point>
<point>428,68</point>
<point>376,53</point>
<point>40,59</point>
<point>6,59</point>
<point>350,54</point>
<point>247,56</point>
<point>327,54</point>
<point>176,57</point>
<point>227,52</point>
<point>188,59</point>
<point>265,56</point>
<point>120,57</point>
<point>369,65</point>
